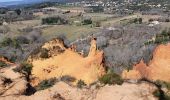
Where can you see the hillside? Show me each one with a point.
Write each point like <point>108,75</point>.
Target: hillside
<point>157,69</point>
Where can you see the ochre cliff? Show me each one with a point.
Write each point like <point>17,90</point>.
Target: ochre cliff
<point>157,69</point>
<point>66,61</point>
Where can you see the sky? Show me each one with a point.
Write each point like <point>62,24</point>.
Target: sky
<point>9,0</point>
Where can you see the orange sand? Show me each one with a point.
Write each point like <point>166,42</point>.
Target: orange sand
<point>70,63</point>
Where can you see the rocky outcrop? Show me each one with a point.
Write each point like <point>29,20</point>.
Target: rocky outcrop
<point>62,91</point>
<point>142,91</point>
<point>66,61</point>
<point>157,69</point>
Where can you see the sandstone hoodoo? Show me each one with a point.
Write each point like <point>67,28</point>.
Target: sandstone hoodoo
<point>157,69</point>
<point>60,61</point>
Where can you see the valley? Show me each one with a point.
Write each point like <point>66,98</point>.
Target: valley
<point>85,50</point>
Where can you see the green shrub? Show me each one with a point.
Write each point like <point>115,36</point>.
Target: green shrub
<point>87,21</point>
<point>161,96</point>
<point>81,84</point>
<point>156,93</point>
<point>2,64</point>
<point>18,11</point>
<point>54,20</point>
<point>135,20</point>
<point>163,84</point>
<point>68,78</point>
<point>150,20</point>
<point>163,37</point>
<point>1,22</point>
<point>6,42</point>
<point>24,68</point>
<point>10,42</point>
<point>15,43</point>
<point>98,24</point>
<point>23,40</point>
<point>13,58</point>
<point>160,93</point>
<point>46,84</point>
<point>111,78</point>
<point>44,53</point>
<point>140,20</point>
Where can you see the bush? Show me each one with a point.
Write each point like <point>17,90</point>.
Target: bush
<point>44,53</point>
<point>2,64</point>
<point>1,22</point>
<point>67,79</point>
<point>46,84</point>
<point>135,20</point>
<point>15,43</point>
<point>10,42</point>
<point>111,78</point>
<point>13,58</point>
<point>54,20</point>
<point>164,37</point>
<point>6,42</point>
<point>150,20</point>
<point>161,96</point>
<point>18,11</point>
<point>160,93</point>
<point>98,24</point>
<point>24,68</point>
<point>163,84</point>
<point>22,40</point>
<point>140,20</point>
<point>87,21</point>
<point>81,83</point>
<point>156,93</point>
<point>167,20</point>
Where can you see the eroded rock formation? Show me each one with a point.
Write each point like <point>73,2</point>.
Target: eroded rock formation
<point>11,83</point>
<point>62,91</point>
<point>157,69</point>
<point>66,61</point>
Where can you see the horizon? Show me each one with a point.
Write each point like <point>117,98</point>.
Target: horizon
<point>19,0</point>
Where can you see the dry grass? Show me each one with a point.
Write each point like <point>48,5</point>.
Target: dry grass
<point>71,32</point>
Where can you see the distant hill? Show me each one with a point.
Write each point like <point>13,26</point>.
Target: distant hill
<point>25,2</point>
<point>6,4</point>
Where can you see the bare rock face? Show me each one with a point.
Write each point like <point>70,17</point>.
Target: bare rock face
<point>63,91</point>
<point>126,91</point>
<point>132,74</point>
<point>157,69</point>
<point>60,91</point>
<point>66,61</point>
